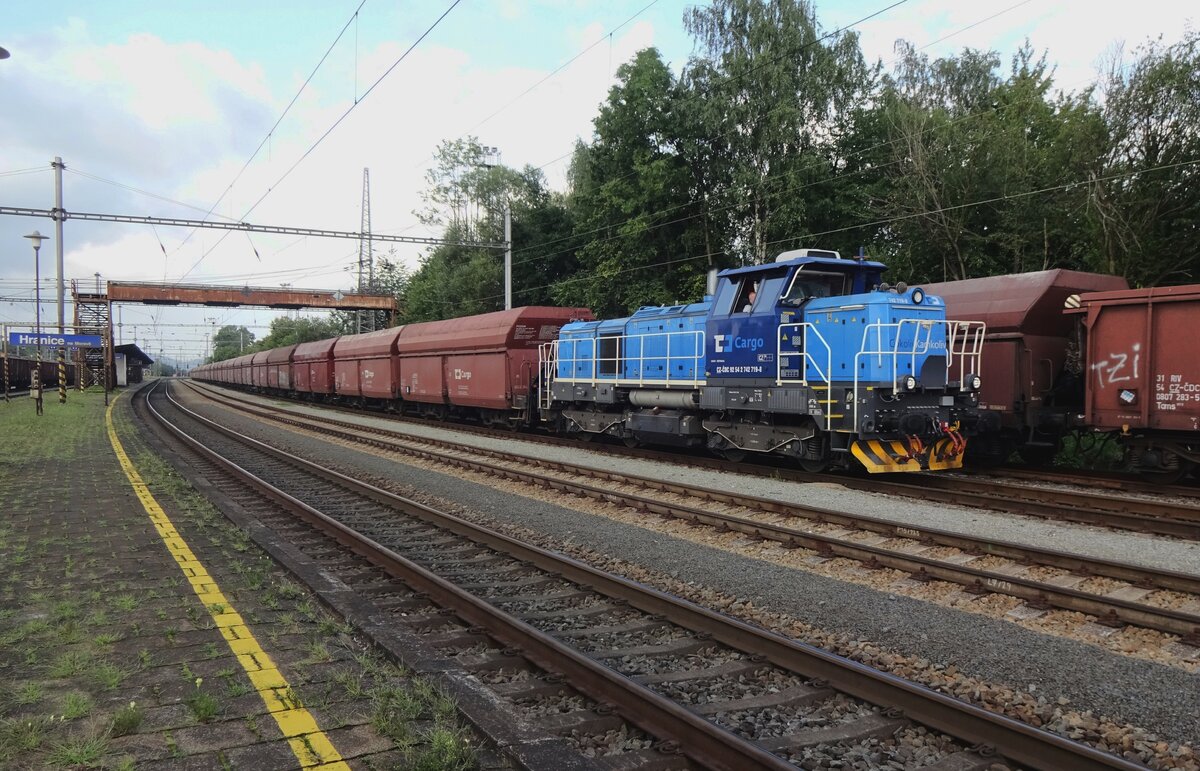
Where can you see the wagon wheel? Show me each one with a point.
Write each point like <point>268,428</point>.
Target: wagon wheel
<point>631,441</point>
<point>1038,455</point>
<point>1167,476</point>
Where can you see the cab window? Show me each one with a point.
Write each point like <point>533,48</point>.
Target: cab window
<point>807,285</point>
<point>726,294</point>
<point>747,294</point>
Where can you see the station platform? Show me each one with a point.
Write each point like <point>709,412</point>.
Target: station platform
<point>141,628</point>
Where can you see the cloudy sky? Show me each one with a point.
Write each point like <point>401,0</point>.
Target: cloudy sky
<point>156,108</point>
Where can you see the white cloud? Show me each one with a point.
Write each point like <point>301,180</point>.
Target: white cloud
<point>179,119</point>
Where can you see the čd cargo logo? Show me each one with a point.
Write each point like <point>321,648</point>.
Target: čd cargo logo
<point>725,343</point>
<point>462,374</point>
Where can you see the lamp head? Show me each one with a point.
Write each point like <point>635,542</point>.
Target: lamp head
<point>37,239</point>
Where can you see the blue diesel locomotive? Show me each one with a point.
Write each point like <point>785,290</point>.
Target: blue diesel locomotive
<point>810,357</point>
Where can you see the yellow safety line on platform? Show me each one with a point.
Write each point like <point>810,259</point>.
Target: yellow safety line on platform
<point>310,744</point>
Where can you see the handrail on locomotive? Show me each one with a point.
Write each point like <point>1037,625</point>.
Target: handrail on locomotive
<point>963,342</point>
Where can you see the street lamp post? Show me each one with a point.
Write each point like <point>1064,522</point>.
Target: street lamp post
<point>37,239</point>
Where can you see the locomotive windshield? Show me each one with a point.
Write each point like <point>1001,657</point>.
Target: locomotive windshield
<point>809,284</point>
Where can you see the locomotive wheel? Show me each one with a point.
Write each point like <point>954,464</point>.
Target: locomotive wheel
<point>814,465</point>
<point>631,441</point>
<point>733,454</point>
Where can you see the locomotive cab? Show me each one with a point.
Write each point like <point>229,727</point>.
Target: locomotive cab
<point>827,363</point>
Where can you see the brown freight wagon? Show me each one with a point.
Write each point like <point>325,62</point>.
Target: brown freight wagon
<point>246,370</point>
<point>312,367</point>
<point>1032,360</point>
<point>485,364</point>
<point>279,367</point>
<point>364,366</point>
<point>232,372</point>
<point>1143,377</point>
<point>258,369</point>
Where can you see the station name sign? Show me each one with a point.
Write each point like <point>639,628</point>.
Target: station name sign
<point>53,340</point>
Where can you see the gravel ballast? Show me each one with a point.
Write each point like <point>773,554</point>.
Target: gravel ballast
<point>1163,699</point>
<point>1134,548</point>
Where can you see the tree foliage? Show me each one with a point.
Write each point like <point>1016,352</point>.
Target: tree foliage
<point>777,134</point>
<point>467,198</point>
<point>632,202</point>
<point>286,331</point>
<point>1146,196</point>
<point>231,341</point>
<point>777,94</point>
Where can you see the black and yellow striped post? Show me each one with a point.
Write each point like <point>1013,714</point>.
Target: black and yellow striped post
<point>62,376</point>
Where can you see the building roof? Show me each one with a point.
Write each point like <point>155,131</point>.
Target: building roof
<point>134,356</point>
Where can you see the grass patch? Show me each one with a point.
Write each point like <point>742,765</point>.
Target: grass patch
<point>108,676</point>
<point>54,436</point>
<point>204,706</point>
<point>126,602</point>
<point>70,664</point>
<point>318,653</point>
<point>444,749</point>
<point>29,693</point>
<point>127,720</point>
<point>22,735</point>
<point>76,705</point>
<point>79,751</point>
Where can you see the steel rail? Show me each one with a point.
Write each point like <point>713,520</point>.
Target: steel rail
<point>1118,481</point>
<point>1039,594</point>
<point>952,490</point>
<point>705,743</point>
<point>1017,741</point>
<point>1101,503</point>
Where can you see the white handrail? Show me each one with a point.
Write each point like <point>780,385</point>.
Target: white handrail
<point>623,344</point>
<point>968,348</point>
<point>547,360</point>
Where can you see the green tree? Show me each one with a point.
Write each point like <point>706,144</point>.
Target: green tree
<point>466,197</point>
<point>770,104</point>
<point>631,201</point>
<point>290,331</point>
<point>965,148</point>
<point>391,277</point>
<point>1145,200</point>
<point>231,341</point>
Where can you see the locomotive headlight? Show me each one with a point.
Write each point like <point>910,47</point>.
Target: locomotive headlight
<point>973,382</point>
<point>907,383</point>
<point>918,296</point>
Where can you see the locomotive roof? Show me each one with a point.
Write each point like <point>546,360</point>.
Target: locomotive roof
<point>829,262</point>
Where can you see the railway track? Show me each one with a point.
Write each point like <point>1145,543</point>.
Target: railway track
<point>1160,516</point>
<point>1116,481</point>
<point>1157,599</point>
<point>711,691</point>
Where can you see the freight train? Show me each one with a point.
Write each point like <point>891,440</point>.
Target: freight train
<point>20,371</point>
<point>1070,352</point>
<point>811,357</point>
